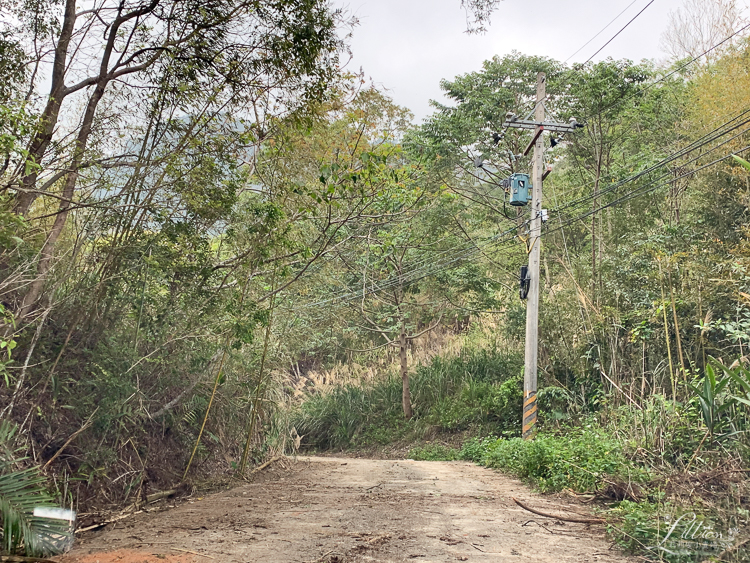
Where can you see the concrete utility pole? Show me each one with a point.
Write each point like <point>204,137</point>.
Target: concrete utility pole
<point>534,250</point>
<point>535,241</point>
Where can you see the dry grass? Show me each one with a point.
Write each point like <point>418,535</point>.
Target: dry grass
<point>368,368</point>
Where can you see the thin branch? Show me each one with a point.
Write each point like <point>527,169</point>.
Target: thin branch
<point>563,518</point>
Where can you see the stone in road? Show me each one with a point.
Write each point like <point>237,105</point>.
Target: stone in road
<point>346,510</point>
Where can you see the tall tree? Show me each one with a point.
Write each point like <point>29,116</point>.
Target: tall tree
<point>257,59</point>
<point>602,95</point>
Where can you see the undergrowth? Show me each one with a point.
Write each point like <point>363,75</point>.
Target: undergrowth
<point>670,476</point>
<point>479,390</point>
<point>671,512</point>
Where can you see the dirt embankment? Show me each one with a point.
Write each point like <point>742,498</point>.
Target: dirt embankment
<point>355,510</point>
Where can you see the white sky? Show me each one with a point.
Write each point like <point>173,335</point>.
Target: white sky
<point>408,46</point>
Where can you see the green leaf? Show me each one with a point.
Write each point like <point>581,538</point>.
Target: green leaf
<point>742,161</point>
<point>21,491</point>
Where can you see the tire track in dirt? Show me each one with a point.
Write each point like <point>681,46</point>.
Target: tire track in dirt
<point>345,510</point>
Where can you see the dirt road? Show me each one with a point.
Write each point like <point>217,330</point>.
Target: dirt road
<point>355,510</point>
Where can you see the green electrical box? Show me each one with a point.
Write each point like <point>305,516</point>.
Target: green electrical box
<point>520,189</point>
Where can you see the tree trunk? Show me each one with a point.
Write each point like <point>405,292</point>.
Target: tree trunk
<point>47,252</point>
<point>406,395</point>
<point>48,120</point>
<point>594,204</point>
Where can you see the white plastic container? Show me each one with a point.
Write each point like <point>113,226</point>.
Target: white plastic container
<point>54,532</point>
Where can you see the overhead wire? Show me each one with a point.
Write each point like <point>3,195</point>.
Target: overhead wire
<point>590,198</point>
<point>619,32</point>
<point>647,189</point>
<point>649,86</point>
<point>635,193</point>
<point>601,31</point>
<point>449,257</point>
<point>716,133</point>
<point>668,75</point>
<point>436,266</point>
<point>429,266</point>
<point>672,156</point>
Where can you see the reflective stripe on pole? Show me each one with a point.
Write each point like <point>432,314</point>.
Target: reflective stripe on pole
<point>529,415</point>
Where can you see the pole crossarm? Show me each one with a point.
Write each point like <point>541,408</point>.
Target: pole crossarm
<point>546,125</point>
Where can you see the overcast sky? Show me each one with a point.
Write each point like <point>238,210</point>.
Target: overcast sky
<point>408,46</point>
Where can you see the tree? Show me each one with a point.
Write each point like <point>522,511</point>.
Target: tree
<point>700,25</point>
<point>602,95</point>
<point>479,13</point>
<point>411,275</point>
<point>180,54</point>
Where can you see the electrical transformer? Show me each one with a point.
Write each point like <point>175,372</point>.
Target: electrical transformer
<point>520,189</point>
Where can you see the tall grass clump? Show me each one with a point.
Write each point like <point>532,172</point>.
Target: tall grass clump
<point>477,389</point>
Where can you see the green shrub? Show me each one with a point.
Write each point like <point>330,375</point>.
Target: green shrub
<point>434,452</point>
<point>662,434</point>
<point>672,533</point>
<point>581,460</point>
<point>493,405</point>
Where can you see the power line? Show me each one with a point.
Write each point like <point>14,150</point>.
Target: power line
<point>420,272</point>
<point>449,257</point>
<point>619,32</point>
<point>696,144</point>
<point>500,240</point>
<point>643,90</point>
<point>445,259</point>
<point>600,31</point>
<point>429,266</point>
<point>671,158</point>
<point>703,141</point>
<point>668,75</point>
<point>647,189</point>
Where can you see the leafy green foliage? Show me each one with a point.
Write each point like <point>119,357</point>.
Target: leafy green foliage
<point>619,458</point>
<point>21,491</point>
<point>742,161</point>
<point>228,194</point>
<point>434,452</point>
<point>709,398</point>
<point>582,459</point>
<point>673,533</point>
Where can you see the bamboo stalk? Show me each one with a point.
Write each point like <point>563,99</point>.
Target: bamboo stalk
<point>208,410</point>
<point>216,386</point>
<point>666,331</point>
<point>677,329</point>
<point>160,495</point>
